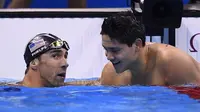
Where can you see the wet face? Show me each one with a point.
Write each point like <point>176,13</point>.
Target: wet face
<point>121,55</point>
<point>53,66</point>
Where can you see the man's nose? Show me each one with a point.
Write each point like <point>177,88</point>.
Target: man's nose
<point>109,56</point>
<point>64,64</point>
<point>64,67</point>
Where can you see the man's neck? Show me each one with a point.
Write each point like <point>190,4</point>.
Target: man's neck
<point>32,79</point>
<point>138,67</point>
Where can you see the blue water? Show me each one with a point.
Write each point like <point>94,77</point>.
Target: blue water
<point>95,99</point>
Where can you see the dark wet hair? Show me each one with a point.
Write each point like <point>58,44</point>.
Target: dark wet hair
<point>124,28</point>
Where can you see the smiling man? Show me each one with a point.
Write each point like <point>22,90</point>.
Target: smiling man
<point>45,56</point>
<point>123,38</point>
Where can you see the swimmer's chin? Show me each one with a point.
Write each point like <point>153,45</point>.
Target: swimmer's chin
<point>118,67</point>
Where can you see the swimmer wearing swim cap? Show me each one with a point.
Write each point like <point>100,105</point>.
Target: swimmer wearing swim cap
<point>46,61</point>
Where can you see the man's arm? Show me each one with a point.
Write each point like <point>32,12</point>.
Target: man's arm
<point>84,82</point>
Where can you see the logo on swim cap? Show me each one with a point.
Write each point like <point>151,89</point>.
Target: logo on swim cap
<point>35,44</point>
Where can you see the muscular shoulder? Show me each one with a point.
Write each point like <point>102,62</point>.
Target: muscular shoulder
<point>167,52</point>
<point>172,58</point>
<point>108,74</point>
<point>164,52</point>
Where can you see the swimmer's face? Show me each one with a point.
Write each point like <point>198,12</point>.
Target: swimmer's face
<point>121,55</point>
<point>53,66</point>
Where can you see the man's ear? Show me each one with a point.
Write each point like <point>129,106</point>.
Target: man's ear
<point>34,64</point>
<point>138,42</point>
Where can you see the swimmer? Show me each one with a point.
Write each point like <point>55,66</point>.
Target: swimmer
<point>123,38</point>
<point>133,62</point>
<point>46,61</point>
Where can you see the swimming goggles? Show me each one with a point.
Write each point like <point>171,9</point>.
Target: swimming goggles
<point>59,44</point>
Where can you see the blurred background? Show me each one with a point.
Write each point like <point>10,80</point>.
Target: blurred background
<point>67,3</point>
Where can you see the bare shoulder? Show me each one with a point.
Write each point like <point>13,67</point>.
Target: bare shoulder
<point>169,52</point>
<point>174,59</point>
<point>108,74</point>
<point>108,69</point>
<point>108,65</point>
<point>168,57</point>
<point>166,51</point>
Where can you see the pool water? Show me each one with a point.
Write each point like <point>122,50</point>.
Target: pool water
<point>95,98</point>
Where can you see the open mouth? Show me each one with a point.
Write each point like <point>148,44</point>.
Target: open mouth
<point>61,75</point>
